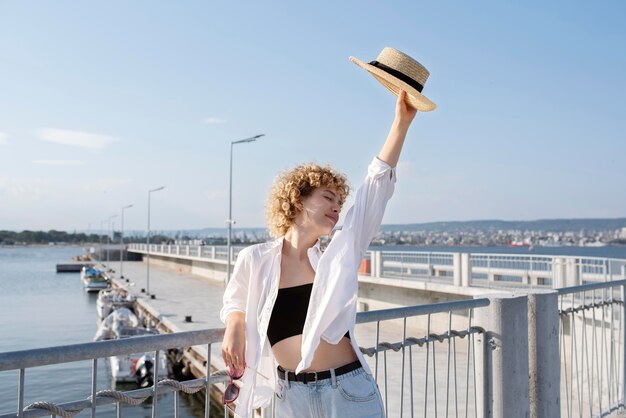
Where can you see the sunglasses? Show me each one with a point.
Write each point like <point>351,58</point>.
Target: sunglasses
<point>232,390</point>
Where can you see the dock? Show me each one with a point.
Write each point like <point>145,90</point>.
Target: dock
<point>73,266</point>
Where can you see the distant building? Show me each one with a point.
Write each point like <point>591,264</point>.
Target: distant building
<point>623,233</point>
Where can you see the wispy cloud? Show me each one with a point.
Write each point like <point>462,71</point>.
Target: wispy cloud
<point>214,121</point>
<point>3,138</point>
<point>58,162</point>
<point>19,190</point>
<point>76,138</point>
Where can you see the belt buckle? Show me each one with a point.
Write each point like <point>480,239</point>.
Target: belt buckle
<point>307,377</point>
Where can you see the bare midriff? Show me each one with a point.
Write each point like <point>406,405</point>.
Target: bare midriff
<point>327,356</point>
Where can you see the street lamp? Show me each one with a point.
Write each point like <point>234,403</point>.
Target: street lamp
<point>109,237</point>
<point>122,243</point>
<point>148,240</point>
<point>230,221</point>
<point>101,255</point>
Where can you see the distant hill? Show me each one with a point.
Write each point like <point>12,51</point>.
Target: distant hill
<point>555,225</point>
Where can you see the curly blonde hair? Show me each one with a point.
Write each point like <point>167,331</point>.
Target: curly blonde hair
<point>291,186</point>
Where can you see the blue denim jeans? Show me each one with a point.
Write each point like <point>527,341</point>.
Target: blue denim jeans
<point>351,395</point>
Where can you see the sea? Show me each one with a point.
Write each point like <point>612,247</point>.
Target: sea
<point>42,308</point>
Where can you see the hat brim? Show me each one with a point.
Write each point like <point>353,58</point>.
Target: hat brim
<point>394,85</point>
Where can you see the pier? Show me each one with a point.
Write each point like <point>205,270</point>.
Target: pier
<point>493,348</point>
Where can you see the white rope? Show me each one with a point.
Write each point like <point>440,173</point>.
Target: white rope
<point>52,408</point>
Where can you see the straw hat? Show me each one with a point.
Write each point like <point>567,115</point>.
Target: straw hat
<point>397,71</point>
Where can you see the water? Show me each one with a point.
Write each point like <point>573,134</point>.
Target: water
<point>42,308</point>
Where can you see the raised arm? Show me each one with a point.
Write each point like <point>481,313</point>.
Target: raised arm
<point>390,152</point>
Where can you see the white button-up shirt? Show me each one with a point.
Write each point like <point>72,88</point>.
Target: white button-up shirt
<point>332,308</point>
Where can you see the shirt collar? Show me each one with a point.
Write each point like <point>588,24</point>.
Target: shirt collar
<point>278,242</point>
<point>317,247</point>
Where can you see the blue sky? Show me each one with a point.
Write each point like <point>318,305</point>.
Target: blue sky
<point>102,101</point>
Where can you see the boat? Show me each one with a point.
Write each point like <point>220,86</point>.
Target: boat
<point>112,299</point>
<point>123,323</point>
<point>93,279</point>
<point>595,244</point>
<point>519,244</point>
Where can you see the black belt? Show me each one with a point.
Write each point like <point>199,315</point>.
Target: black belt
<point>309,377</point>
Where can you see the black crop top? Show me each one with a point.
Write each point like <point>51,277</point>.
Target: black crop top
<point>289,313</point>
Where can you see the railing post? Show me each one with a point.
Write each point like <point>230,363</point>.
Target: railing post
<point>466,270</point>
<point>572,276</point>
<point>456,269</point>
<point>502,372</point>
<point>378,256</point>
<point>558,272</point>
<point>213,252</point>
<point>543,354</point>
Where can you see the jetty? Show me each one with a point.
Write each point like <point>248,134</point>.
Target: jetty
<point>73,266</point>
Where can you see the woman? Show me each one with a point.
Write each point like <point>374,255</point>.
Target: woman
<point>290,308</point>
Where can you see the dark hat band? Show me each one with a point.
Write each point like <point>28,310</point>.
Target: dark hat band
<point>399,75</point>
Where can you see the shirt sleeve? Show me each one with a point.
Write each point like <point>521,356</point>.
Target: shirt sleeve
<point>332,307</point>
<point>364,217</point>
<point>236,294</point>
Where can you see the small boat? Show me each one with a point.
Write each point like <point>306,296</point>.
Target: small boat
<point>112,299</point>
<point>519,244</point>
<point>93,279</point>
<point>122,323</point>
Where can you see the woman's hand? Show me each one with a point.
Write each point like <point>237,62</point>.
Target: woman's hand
<point>404,111</point>
<point>234,344</point>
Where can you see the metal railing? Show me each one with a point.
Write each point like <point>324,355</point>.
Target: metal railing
<point>591,347</point>
<point>23,360</point>
<point>428,369</point>
<point>446,385</point>
<point>478,269</point>
<point>206,252</point>
<point>437,265</point>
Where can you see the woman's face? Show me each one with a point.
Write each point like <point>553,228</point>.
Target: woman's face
<point>320,210</point>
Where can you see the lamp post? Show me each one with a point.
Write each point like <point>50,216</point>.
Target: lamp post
<point>122,243</point>
<point>230,221</point>
<point>101,255</point>
<point>109,237</point>
<point>148,241</point>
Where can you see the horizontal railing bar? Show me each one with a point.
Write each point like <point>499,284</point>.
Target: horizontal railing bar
<point>433,308</point>
<point>589,286</point>
<point>23,359</point>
